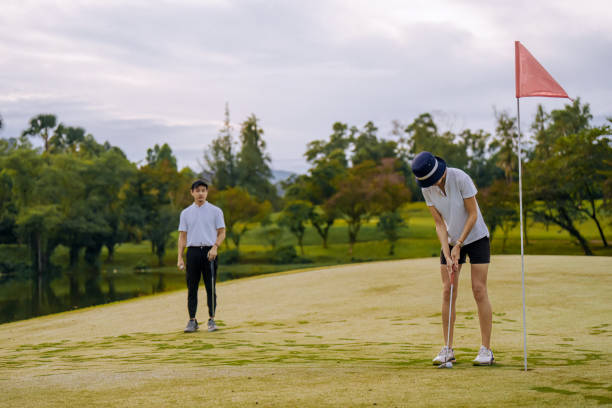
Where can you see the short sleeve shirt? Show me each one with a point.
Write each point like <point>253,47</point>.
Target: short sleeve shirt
<point>201,223</point>
<point>458,186</point>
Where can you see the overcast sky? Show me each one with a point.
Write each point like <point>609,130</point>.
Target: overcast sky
<point>137,73</point>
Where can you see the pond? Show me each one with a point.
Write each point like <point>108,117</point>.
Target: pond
<point>22,298</point>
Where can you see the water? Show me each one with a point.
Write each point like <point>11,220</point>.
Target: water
<point>25,298</point>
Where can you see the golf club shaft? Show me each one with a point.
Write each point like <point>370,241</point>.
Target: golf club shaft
<point>212,279</point>
<point>450,309</point>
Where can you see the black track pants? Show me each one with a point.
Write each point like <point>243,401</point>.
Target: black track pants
<point>197,265</point>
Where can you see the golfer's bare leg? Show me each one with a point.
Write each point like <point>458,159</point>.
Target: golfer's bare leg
<point>479,289</point>
<point>445,299</point>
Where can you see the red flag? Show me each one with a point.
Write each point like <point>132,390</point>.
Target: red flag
<point>531,77</point>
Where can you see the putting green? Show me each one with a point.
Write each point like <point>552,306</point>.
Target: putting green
<point>356,335</point>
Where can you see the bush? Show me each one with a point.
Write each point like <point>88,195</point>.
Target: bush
<point>15,270</point>
<point>231,256</point>
<point>287,255</point>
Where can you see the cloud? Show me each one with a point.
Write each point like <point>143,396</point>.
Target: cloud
<point>141,72</point>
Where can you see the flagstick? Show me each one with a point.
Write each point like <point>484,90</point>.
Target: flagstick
<point>518,109</point>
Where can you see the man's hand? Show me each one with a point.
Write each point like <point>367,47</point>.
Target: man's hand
<point>212,254</point>
<point>180,264</point>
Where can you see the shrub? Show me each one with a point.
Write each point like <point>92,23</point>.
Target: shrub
<point>228,257</point>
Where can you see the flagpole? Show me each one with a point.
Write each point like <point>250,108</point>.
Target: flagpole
<point>518,110</point>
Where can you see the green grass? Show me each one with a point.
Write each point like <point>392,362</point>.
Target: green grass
<point>357,335</point>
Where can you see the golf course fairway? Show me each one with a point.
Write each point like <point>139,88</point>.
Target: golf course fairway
<point>354,335</point>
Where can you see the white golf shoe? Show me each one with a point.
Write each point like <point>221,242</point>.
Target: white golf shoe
<point>484,357</point>
<point>445,355</point>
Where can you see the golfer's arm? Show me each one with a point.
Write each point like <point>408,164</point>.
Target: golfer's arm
<point>182,242</point>
<point>220,237</point>
<point>471,207</point>
<point>440,230</point>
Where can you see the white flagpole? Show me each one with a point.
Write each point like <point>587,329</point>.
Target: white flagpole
<point>518,109</point>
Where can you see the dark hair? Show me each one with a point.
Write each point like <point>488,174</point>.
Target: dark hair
<point>198,183</point>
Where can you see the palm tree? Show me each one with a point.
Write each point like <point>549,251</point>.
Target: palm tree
<point>39,126</point>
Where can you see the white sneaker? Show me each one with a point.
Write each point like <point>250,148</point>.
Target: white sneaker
<point>211,325</point>
<point>445,355</point>
<point>485,357</point>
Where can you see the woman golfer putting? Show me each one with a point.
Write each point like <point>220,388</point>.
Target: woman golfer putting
<point>450,195</point>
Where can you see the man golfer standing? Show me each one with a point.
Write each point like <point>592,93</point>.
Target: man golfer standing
<point>202,230</point>
<point>450,195</point>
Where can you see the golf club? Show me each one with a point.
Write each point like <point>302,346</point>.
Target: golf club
<point>449,364</point>
<point>212,278</point>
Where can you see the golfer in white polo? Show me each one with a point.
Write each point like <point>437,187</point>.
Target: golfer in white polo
<point>450,195</point>
<point>202,230</point>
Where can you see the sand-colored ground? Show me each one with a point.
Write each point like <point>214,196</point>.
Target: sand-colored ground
<point>357,335</point>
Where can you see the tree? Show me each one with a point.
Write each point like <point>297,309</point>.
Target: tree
<point>253,163</point>
<point>161,181</point>
<point>571,119</point>
<point>66,139</point>
<point>220,156</point>
<point>499,208</point>
<point>480,166</point>
<point>339,142</point>
<point>391,194</point>
<point>554,197</point>
<point>8,210</point>
<point>317,187</point>
<point>542,134</point>
<point>109,176</point>
<point>37,225</point>
<point>40,126</point>
<point>587,159</point>
<point>506,137</point>
<point>158,155</point>
<point>295,215</point>
<point>354,199</point>
<point>239,209</point>
<point>366,146</point>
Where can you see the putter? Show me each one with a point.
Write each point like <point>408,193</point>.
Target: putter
<point>212,278</point>
<point>449,364</point>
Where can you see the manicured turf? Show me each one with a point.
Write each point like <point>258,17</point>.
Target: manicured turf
<point>356,335</point>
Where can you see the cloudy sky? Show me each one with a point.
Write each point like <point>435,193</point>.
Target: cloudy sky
<point>142,72</point>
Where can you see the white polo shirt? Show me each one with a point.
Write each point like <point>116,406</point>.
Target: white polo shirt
<point>201,223</point>
<point>458,186</point>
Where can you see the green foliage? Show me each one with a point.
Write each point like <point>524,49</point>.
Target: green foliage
<point>499,206</point>
<point>161,156</point>
<point>221,158</point>
<point>571,171</point>
<point>367,146</point>
<point>253,164</point>
<point>390,223</point>
<point>506,141</point>
<point>272,234</point>
<point>286,254</point>
<point>40,126</point>
<point>295,215</point>
<point>229,257</point>
<point>239,209</point>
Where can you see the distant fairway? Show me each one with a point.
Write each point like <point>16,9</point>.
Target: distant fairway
<point>355,335</point>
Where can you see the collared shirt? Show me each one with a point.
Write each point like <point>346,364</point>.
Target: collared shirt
<point>201,223</point>
<point>458,186</point>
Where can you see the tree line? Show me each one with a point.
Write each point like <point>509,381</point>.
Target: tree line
<point>86,196</point>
